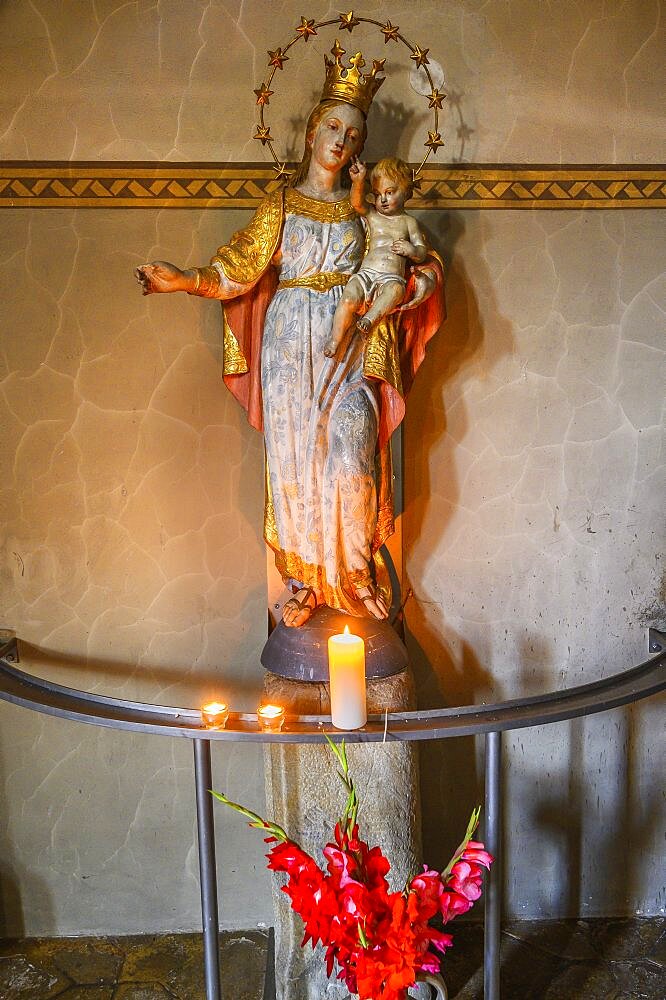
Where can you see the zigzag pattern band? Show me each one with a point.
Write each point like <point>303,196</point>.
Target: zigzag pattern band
<point>242,185</point>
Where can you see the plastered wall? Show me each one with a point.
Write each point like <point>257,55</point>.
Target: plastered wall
<point>131,494</point>
<point>534,536</point>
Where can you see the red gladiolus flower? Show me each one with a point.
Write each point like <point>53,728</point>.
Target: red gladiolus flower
<point>380,940</point>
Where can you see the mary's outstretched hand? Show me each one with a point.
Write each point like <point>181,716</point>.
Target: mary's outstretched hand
<point>160,276</point>
<point>425,284</point>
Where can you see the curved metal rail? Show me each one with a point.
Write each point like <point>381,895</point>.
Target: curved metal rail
<point>39,695</point>
<point>45,696</point>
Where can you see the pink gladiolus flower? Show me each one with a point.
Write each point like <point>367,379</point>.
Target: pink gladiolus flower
<point>427,889</point>
<point>440,941</point>
<point>465,878</point>
<point>452,904</point>
<point>428,885</point>
<point>340,864</point>
<point>475,852</point>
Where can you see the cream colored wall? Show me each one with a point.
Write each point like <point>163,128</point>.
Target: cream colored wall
<point>564,82</point>
<point>132,487</point>
<point>534,537</point>
<point>132,547</point>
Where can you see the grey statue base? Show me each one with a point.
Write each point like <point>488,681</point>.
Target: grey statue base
<point>305,796</point>
<point>301,654</point>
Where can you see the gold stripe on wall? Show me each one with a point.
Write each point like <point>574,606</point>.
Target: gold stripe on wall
<point>78,184</point>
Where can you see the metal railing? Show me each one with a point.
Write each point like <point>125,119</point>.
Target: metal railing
<point>36,694</point>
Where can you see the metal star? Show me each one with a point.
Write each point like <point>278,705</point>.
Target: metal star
<point>281,172</point>
<point>277,58</point>
<point>419,55</point>
<point>434,141</point>
<point>305,28</point>
<point>263,94</point>
<point>348,22</point>
<point>263,133</point>
<point>436,98</point>
<point>390,32</point>
<point>337,50</point>
<point>378,65</point>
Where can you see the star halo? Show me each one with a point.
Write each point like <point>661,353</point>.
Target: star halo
<point>345,22</point>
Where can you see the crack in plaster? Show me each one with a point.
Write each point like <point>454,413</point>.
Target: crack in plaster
<point>102,24</point>
<point>186,91</point>
<point>638,51</point>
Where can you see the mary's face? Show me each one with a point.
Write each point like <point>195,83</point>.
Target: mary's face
<point>339,136</point>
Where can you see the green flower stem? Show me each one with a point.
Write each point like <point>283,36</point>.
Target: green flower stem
<point>348,818</point>
<point>256,820</point>
<point>471,829</point>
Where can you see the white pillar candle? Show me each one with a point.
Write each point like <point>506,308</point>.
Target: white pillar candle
<point>346,669</point>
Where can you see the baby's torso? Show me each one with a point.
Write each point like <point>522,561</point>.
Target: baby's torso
<point>383,231</point>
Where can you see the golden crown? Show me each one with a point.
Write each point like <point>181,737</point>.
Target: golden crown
<point>348,83</point>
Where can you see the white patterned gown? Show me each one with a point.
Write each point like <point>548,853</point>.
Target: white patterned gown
<point>320,416</point>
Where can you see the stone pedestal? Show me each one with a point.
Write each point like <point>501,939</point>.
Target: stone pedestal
<point>305,796</point>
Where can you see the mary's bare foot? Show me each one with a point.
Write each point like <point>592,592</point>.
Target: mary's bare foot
<point>299,608</point>
<point>373,602</point>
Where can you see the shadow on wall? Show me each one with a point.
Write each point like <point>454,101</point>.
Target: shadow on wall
<point>392,126</point>
<point>604,837</point>
<point>16,883</point>
<point>448,671</point>
<point>191,686</point>
<point>19,884</point>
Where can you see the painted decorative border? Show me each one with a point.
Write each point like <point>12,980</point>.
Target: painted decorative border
<point>78,184</point>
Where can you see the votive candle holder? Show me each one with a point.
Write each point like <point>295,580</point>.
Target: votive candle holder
<point>270,718</point>
<point>214,715</point>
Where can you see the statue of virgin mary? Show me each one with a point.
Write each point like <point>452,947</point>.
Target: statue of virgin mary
<point>326,424</point>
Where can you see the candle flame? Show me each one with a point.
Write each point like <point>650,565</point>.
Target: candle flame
<point>346,632</point>
<point>270,711</point>
<point>214,708</point>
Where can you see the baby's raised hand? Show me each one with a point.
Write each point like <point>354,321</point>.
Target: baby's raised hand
<point>357,170</point>
<point>402,247</point>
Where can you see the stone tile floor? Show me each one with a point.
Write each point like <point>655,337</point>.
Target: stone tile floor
<point>541,960</point>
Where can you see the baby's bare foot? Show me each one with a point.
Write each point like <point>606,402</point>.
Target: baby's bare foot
<point>363,324</point>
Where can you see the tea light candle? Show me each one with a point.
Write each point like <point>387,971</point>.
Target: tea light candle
<point>214,715</point>
<point>271,718</point>
<point>346,668</point>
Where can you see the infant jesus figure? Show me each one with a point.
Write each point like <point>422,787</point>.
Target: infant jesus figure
<point>393,238</point>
